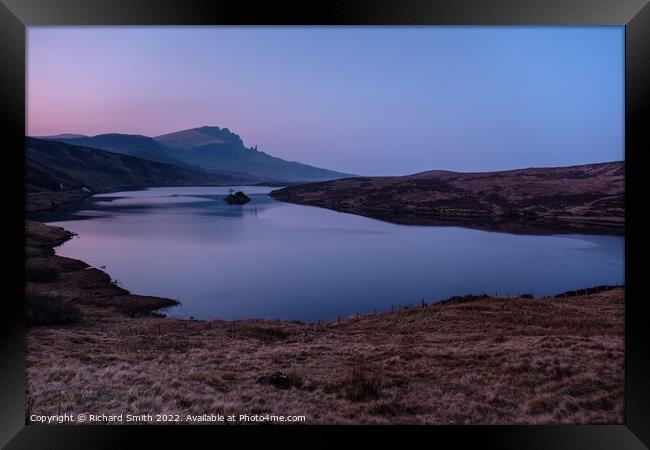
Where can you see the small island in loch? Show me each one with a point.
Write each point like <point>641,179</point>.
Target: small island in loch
<point>238,198</point>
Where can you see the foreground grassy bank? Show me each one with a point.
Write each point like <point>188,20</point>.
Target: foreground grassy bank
<point>484,360</point>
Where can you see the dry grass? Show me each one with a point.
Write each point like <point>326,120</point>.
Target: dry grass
<point>481,361</point>
<point>490,361</point>
<point>359,385</point>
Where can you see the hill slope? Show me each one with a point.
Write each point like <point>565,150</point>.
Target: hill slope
<point>51,163</point>
<point>127,144</point>
<point>208,149</point>
<point>587,198</point>
<point>214,148</point>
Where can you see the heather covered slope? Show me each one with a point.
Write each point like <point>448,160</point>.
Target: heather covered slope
<point>476,360</point>
<point>587,198</point>
<point>126,144</point>
<point>50,163</point>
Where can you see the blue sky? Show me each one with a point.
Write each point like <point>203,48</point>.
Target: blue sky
<point>367,100</point>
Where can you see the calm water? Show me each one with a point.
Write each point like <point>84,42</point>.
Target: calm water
<point>269,259</point>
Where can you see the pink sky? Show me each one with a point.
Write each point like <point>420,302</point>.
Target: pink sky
<point>366,100</point>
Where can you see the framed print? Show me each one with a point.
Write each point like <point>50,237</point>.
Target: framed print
<point>421,217</point>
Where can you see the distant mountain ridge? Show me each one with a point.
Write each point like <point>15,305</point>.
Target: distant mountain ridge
<point>62,136</point>
<point>196,137</point>
<point>209,149</point>
<point>214,148</point>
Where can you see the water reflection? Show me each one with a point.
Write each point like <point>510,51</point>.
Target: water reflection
<point>268,259</point>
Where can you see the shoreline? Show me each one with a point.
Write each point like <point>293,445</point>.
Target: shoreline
<point>587,198</point>
<point>41,204</point>
<point>466,360</point>
<point>54,200</point>
<point>482,223</point>
<point>52,237</point>
<point>40,242</point>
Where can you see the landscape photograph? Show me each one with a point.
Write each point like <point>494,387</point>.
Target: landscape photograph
<point>342,225</point>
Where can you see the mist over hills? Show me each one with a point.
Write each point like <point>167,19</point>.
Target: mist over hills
<point>208,149</point>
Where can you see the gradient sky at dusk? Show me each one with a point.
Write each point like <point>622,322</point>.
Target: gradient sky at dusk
<point>366,100</point>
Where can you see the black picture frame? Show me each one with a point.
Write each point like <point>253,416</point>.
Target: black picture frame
<point>634,15</point>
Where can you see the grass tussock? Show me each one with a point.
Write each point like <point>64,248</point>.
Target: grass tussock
<point>263,333</point>
<point>358,385</point>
